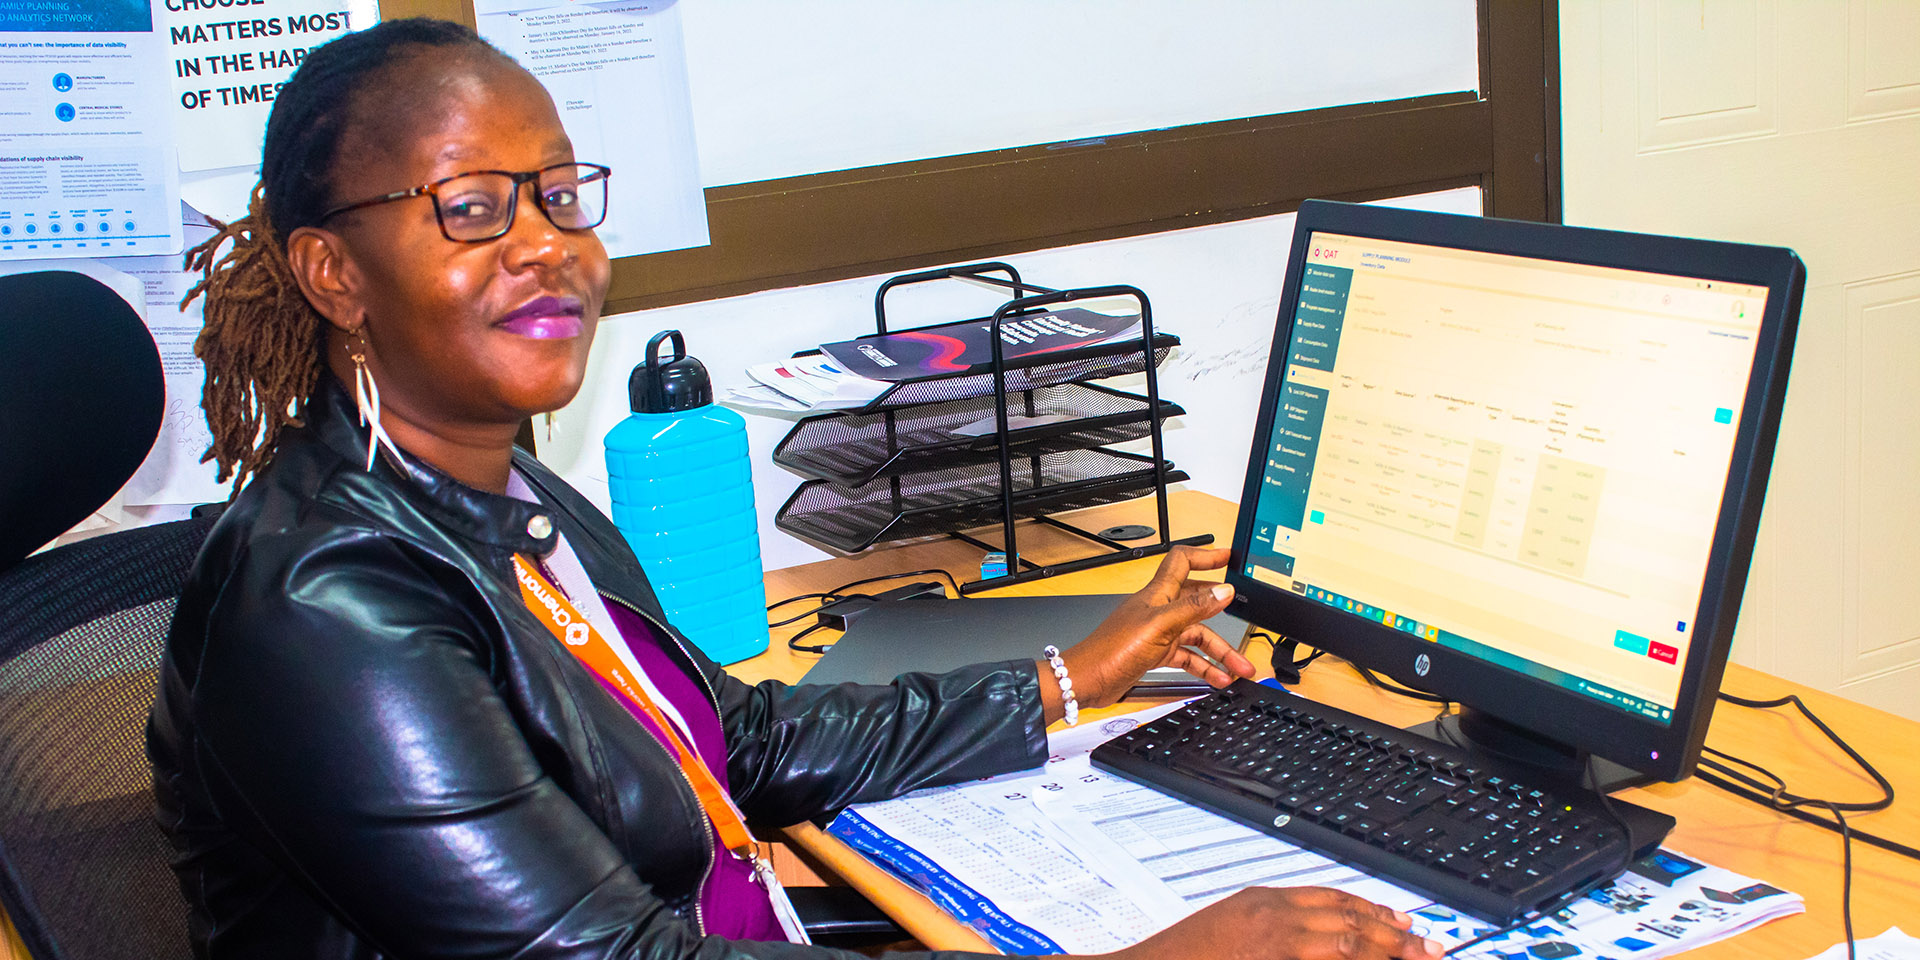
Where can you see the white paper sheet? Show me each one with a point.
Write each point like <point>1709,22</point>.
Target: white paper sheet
<point>1892,945</point>
<point>172,472</point>
<point>990,836</point>
<point>617,71</point>
<point>86,141</point>
<point>1193,857</point>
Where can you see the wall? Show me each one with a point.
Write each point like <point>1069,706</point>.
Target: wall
<point>784,89</point>
<point>1217,287</point>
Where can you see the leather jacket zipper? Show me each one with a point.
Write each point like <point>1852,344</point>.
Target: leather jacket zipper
<point>699,911</point>
<point>713,696</point>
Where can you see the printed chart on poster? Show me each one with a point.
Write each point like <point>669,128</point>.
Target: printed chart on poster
<point>86,149</point>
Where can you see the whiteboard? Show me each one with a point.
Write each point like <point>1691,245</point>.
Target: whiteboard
<point>783,88</point>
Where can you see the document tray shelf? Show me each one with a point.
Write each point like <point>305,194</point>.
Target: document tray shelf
<point>938,502</point>
<point>1113,358</point>
<point>854,450</point>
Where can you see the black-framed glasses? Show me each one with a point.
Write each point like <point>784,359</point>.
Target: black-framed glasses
<point>478,205</point>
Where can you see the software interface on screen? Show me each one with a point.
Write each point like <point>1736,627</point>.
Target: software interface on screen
<point>1519,459</point>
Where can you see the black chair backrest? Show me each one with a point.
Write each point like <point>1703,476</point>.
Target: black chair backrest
<point>81,398</point>
<point>83,866</point>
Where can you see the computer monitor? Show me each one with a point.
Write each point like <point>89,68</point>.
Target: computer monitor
<point>1519,466</point>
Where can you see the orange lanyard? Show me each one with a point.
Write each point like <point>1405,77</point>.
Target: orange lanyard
<point>591,648</point>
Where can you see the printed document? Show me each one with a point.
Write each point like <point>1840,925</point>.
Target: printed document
<point>1895,944</point>
<point>617,71</point>
<point>86,144</point>
<point>1068,858</point>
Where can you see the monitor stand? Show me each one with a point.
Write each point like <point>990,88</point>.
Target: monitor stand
<point>1520,754</point>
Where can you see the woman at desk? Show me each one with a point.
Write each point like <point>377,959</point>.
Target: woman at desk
<point>418,700</point>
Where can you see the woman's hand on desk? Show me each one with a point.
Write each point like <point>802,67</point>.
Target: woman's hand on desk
<point>1154,628</point>
<point>1294,923</point>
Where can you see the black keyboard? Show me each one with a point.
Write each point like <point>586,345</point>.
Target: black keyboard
<point>1394,804</point>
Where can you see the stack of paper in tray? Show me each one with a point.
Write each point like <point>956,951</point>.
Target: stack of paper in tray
<point>804,383</point>
<point>1067,858</point>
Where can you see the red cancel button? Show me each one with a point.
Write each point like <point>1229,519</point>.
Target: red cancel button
<point>1663,653</point>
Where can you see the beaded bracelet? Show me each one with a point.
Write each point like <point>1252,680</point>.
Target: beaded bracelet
<point>1052,653</point>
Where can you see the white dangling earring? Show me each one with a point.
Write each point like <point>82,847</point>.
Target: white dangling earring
<point>550,427</point>
<point>366,396</point>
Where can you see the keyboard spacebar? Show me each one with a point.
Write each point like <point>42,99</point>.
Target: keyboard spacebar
<point>1246,786</point>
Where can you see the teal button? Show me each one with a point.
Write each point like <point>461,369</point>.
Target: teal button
<point>1317,517</point>
<point>1723,415</point>
<point>1630,641</point>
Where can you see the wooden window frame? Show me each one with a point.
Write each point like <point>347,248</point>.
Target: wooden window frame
<point>1503,138</point>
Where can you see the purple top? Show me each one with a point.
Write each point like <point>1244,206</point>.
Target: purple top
<point>734,905</point>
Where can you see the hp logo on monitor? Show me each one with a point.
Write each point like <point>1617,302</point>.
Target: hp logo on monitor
<point>1421,664</point>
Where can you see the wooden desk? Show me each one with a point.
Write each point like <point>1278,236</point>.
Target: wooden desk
<point>1714,826</point>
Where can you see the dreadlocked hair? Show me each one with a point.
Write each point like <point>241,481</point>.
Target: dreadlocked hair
<point>263,342</point>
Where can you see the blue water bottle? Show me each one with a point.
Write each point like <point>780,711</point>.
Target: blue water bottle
<point>682,488</point>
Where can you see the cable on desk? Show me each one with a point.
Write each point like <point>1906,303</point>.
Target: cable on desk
<point>1374,679</point>
<point>836,595</point>
<point>1773,792</point>
<point>955,584</point>
<point>1286,669</point>
<point>802,616</point>
<point>1778,797</point>
<point>794,644</point>
<point>836,592</point>
<point>796,598</point>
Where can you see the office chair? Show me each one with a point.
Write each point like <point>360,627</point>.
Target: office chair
<point>83,867</point>
<point>81,397</point>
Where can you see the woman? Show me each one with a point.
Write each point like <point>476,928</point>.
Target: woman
<point>369,738</point>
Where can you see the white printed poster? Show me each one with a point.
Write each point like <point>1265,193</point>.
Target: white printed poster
<point>173,472</point>
<point>617,71</point>
<point>229,59</point>
<point>86,145</point>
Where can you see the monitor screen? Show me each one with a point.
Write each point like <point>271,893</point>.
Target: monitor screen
<point>1520,460</point>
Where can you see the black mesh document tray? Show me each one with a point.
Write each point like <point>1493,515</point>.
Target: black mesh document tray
<point>1112,358</point>
<point>937,502</point>
<point>857,449</point>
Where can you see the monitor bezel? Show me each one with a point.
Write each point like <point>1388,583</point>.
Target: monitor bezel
<point>1667,751</point>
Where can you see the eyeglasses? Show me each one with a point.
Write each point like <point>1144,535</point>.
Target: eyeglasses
<point>478,206</point>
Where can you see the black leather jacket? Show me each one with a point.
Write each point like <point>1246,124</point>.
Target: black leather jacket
<point>364,744</point>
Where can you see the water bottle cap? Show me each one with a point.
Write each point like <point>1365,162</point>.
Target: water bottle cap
<point>669,386</point>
